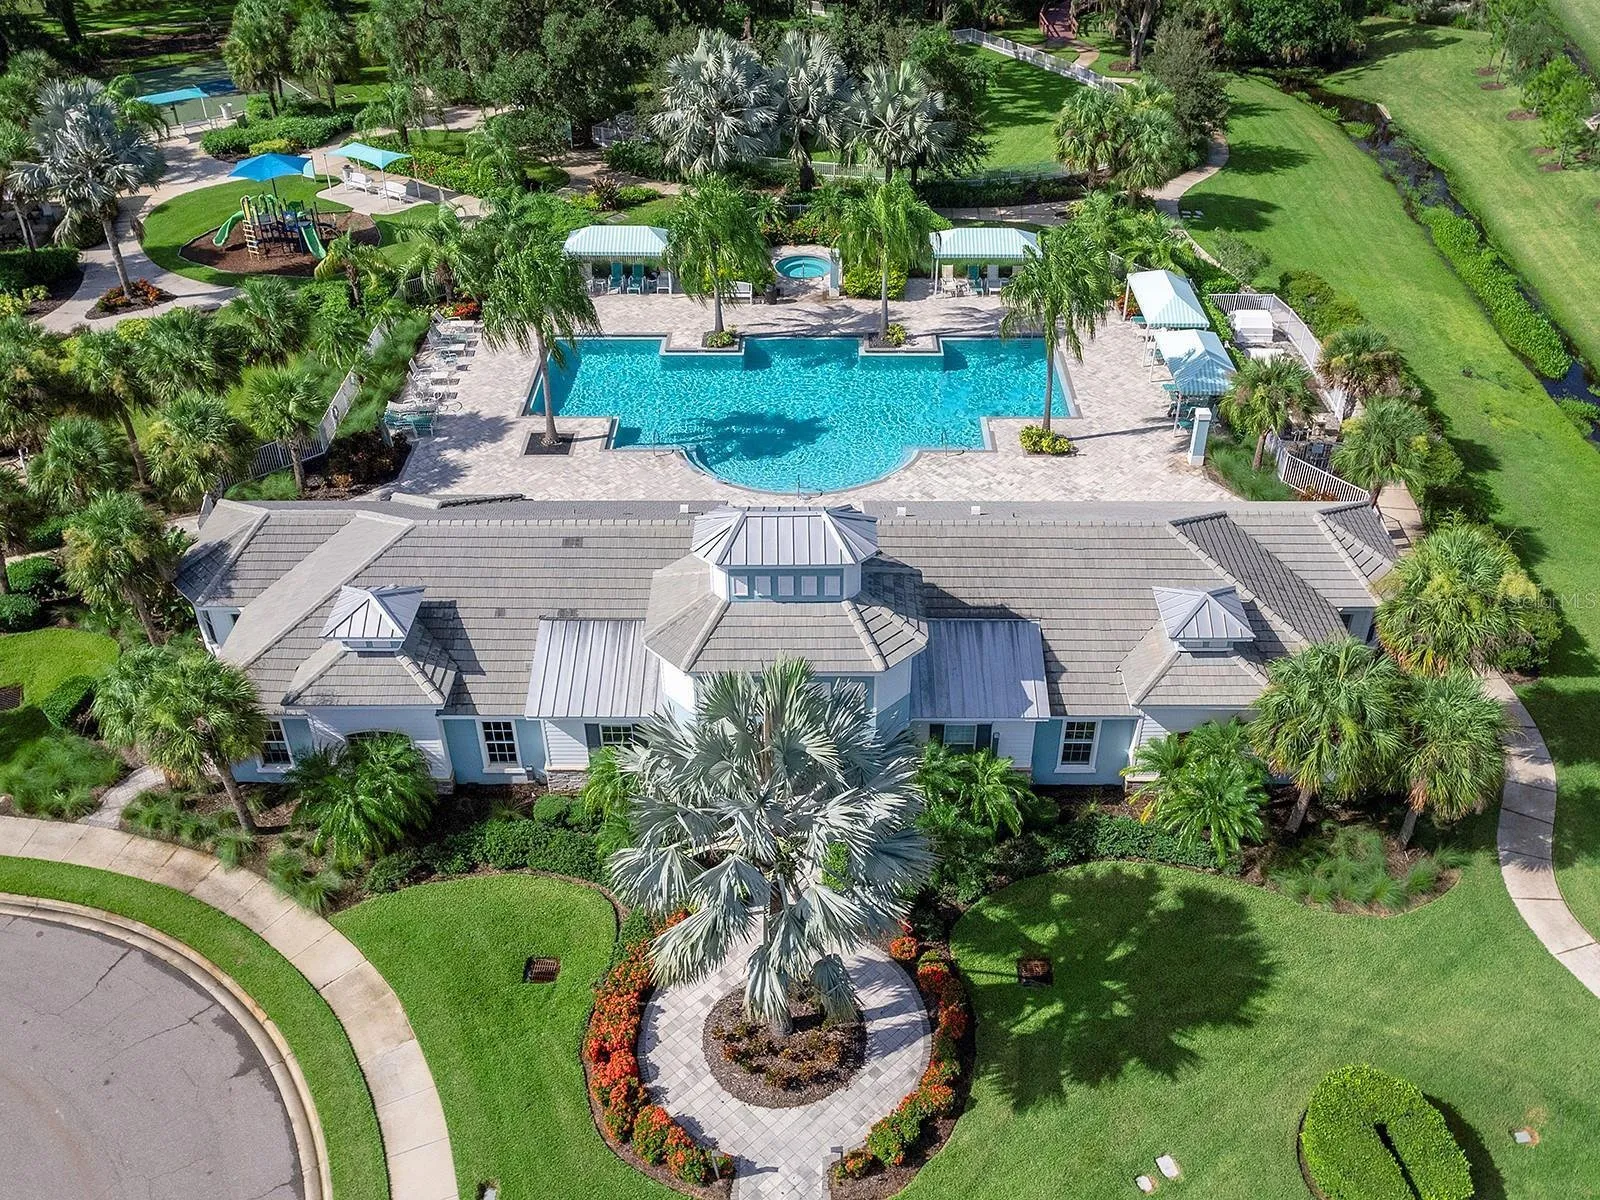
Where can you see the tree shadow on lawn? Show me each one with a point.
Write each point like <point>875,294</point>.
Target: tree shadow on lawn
<point>1388,42</point>
<point>1222,211</point>
<point>1487,1182</point>
<point>1140,966</point>
<point>1246,157</point>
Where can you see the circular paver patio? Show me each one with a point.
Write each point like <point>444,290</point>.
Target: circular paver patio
<point>784,1152</point>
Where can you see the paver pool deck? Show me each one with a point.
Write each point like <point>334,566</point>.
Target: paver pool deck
<point>1127,447</point>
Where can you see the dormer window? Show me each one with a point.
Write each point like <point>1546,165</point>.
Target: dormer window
<point>1213,620</point>
<point>373,620</point>
<point>785,554</point>
<point>785,585</point>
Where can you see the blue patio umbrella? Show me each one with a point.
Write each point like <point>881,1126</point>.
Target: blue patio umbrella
<point>267,168</point>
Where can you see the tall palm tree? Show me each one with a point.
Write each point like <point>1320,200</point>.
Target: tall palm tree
<point>897,118</point>
<point>257,49</point>
<point>77,460</point>
<point>1363,362</point>
<point>183,350</point>
<point>104,365</point>
<point>718,107</point>
<point>1062,292</point>
<point>1152,144</point>
<point>272,315</point>
<point>322,49</point>
<point>1456,601</point>
<point>188,713</point>
<point>1455,762</point>
<point>439,252</point>
<point>778,814</point>
<point>1330,719</point>
<point>1088,131</point>
<point>363,798</point>
<point>118,553</point>
<point>889,226</point>
<point>537,299</point>
<point>88,158</point>
<point>401,105</point>
<point>813,91</point>
<point>286,404</point>
<point>15,147</point>
<point>1264,397</point>
<point>1390,442</point>
<point>29,379</point>
<point>194,442</point>
<point>714,240</point>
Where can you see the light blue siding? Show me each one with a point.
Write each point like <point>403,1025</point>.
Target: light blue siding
<point>298,731</point>
<point>1110,754</point>
<point>466,752</point>
<point>895,717</point>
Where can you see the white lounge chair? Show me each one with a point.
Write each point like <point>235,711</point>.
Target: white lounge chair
<point>397,189</point>
<point>663,281</point>
<point>743,291</point>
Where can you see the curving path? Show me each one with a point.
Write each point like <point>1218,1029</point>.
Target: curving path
<point>1526,840</point>
<point>783,1153</point>
<point>410,1117</point>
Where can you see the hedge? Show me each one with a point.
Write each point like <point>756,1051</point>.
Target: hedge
<point>38,576</point>
<point>450,171</point>
<point>18,612</point>
<point>1346,1156</point>
<point>505,843</point>
<point>1525,329</point>
<point>68,701</point>
<point>21,269</point>
<point>295,130</point>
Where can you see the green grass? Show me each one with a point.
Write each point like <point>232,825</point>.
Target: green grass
<point>1581,21</point>
<point>651,212</point>
<point>1231,461</point>
<point>504,1053</point>
<point>344,1106</point>
<point>1019,111</point>
<point>1548,223</point>
<point>40,659</point>
<point>1297,186</point>
<point>37,760</point>
<point>1193,1015</point>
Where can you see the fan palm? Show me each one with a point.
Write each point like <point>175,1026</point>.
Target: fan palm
<point>183,350</point>
<point>1264,397</point>
<point>1062,292</point>
<point>1149,239</point>
<point>1218,796</point>
<point>103,364</point>
<point>1362,361</point>
<point>780,815</point>
<point>812,88</point>
<point>363,798</point>
<point>366,272</point>
<point>897,119</point>
<point>338,332</point>
<point>1330,719</point>
<point>286,404</point>
<point>1088,131</point>
<point>322,48</point>
<point>1456,601</point>
<point>1154,764</point>
<point>401,105</point>
<point>1151,141</point>
<point>1455,763</point>
<point>718,107</point>
<point>714,240</point>
<point>188,713</point>
<point>887,225</point>
<point>118,554</point>
<point>195,442</point>
<point>272,315</point>
<point>88,158</point>
<point>77,460</point>
<point>1390,442</point>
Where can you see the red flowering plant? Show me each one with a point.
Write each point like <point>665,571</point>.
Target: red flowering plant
<point>905,949</point>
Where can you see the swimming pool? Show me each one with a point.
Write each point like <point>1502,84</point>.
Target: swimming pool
<point>801,414</point>
<point>803,266</point>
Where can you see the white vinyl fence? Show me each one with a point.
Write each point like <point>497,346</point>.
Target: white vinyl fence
<point>1294,328</point>
<point>1031,54</point>
<point>1310,480</point>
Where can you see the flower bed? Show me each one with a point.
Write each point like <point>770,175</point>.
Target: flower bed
<point>143,294</point>
<point>642,1133</point>
<point>898,1145</point>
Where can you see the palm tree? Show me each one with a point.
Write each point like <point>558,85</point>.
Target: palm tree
<point>1155,764</point>
<point>1330,719</point>
<point>718,107</point>
<point>15,147</point>
<point>496,158</point>
<point>1363,362</point>
<point>88,158</point>
<point>77,460</point>
<point>984,788</point>
<point>188,713</point>
<point>16,513</point>
<point>538,300</point>
<point>898,120</point>
<point>1390,442</point>
<point>889,226</point>
<point>1264,397</point>
<point>439,252</point>
<point>608,794</point>
<point>1152,143</point>
<point>1455,763</point>
<point>1088,131</point>
<point>183,350</point>
<point>322,49</point>
<point>365,271</point>
<point>1149,239</point>
<point>117,554</point>
<point>401,106</point>
<point>123,93</point>
<point>29,379</point>
<point>103,364</point>
<point>363,798</point>
<point>1456,601</point>
<point>1218,796</point>
<point>195,442</point>
<point>256,51</point>
<point>780,814</point>
<point>714,240</point>
<point>272,315</point>
<point>813,91</point>
<point>338,332</point>
<point>1062,292</point>
<point>286,404</point>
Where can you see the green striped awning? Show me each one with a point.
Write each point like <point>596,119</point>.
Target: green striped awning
<point>984,243</point>
<point>1199,364</point>
<point>617,243</point>
<point>1167,301</point>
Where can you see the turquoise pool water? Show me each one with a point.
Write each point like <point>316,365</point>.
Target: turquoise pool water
<point>802,266</point>
<point>800,414</point>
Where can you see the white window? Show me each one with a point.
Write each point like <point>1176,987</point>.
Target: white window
<point>500,744</point>
<point>739,585</point>
<point>785,585</point>
<point>1078,740</point>
<point>275,752</point>
<point>616,735</point>
<point>808,585</point>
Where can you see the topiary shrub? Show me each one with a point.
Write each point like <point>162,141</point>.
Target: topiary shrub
<point>18,613</point>
<point>865,282</point>
<point>38,576</point>
<point>68,701</point>
<point>1369,1135</point>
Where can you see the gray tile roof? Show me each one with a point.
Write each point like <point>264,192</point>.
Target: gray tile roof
<point>1248,562</point>
<point>1359,530</point>
<point>1158,673</point>
<point>593,669</point>
<point>420,672</point>
<point>980,670</point>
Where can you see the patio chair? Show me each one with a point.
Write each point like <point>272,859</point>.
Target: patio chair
<point>636,280</point>
<point>975,279</point>
<point>358,180</point>
<point>743,291</point>
<point>397,189</point>
<point>616,279</point>
<point>947,280</point>
<point>664,282</point>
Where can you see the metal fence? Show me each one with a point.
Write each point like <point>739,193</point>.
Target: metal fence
<point>1030,54</point>
<point>1310,480</point>
<point>1285,318</point>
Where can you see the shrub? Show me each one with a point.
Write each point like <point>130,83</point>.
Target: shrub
<point>507,845</point>
<point>63,804</point>
<point>1524,328</point>
<point>38,576</point>
<point>365,457</point>
<point>904,949</point>
<point>1348,1159</point>
<point>650,1134</point>
<point>1036,439</point>
<point>1238,257</point>
<point>1544,626</point>
<point>554,808</point>
<point>59,763</point>
<point>277,145</point>
<point>1313,297</point>
<point>46,534</point>
<point>68,701</point>
<point>865,282</point>
<point>635,194</point>
<point>18,612</point>
<point>302,881</point>
<point>393,871</point>
<point>637,158</point>
<point>720,339</point>
<point>895,335</point>
<point>295,129</point>
<point>21,269</point>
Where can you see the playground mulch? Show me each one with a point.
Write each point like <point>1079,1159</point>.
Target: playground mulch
<point>281,258</point>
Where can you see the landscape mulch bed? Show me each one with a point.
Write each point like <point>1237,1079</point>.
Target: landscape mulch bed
<point>1492,86</point>
<point>61,291</point>
<point>827,1057</point>
<point>99,312</point>
<point>1522,114</point>
<point>281,258</point>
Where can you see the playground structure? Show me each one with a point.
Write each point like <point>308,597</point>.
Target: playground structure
<point>270,223</point>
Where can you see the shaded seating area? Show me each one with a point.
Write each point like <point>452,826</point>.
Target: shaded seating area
<point>1166,300</point>
<point>623,259</point>
<point>402,190</point>
<point>1198,369</point>
<point>181,101</point>
<point>978,259</point>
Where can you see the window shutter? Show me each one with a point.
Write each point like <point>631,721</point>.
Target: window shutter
<point>936,734</point>
<point>985,738</point>
<point>591,737</point>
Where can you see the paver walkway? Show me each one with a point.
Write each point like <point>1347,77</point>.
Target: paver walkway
<point>119,796</point>
<point>1167,195</point>
<point>1526,841</point>
<point>784,1153</point>
<point>416,1142</point>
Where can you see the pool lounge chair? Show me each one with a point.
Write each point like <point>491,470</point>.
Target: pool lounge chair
<point>616,279</point>
<point>947,280</point>
<point>975,280</point>
<point>636,280</point>
<point>664,281</point>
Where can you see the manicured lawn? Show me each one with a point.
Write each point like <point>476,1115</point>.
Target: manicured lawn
<point>1547,222</point>
<point>344,1106</point>
<point>1020,111</point>
<point>41,658</point>
<point>1192,1015</point>
<point>1297,186</point>
<point>651,212</point>
<point>504,1053</point>
<point>1580,19</point>
<point>38,760</point>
